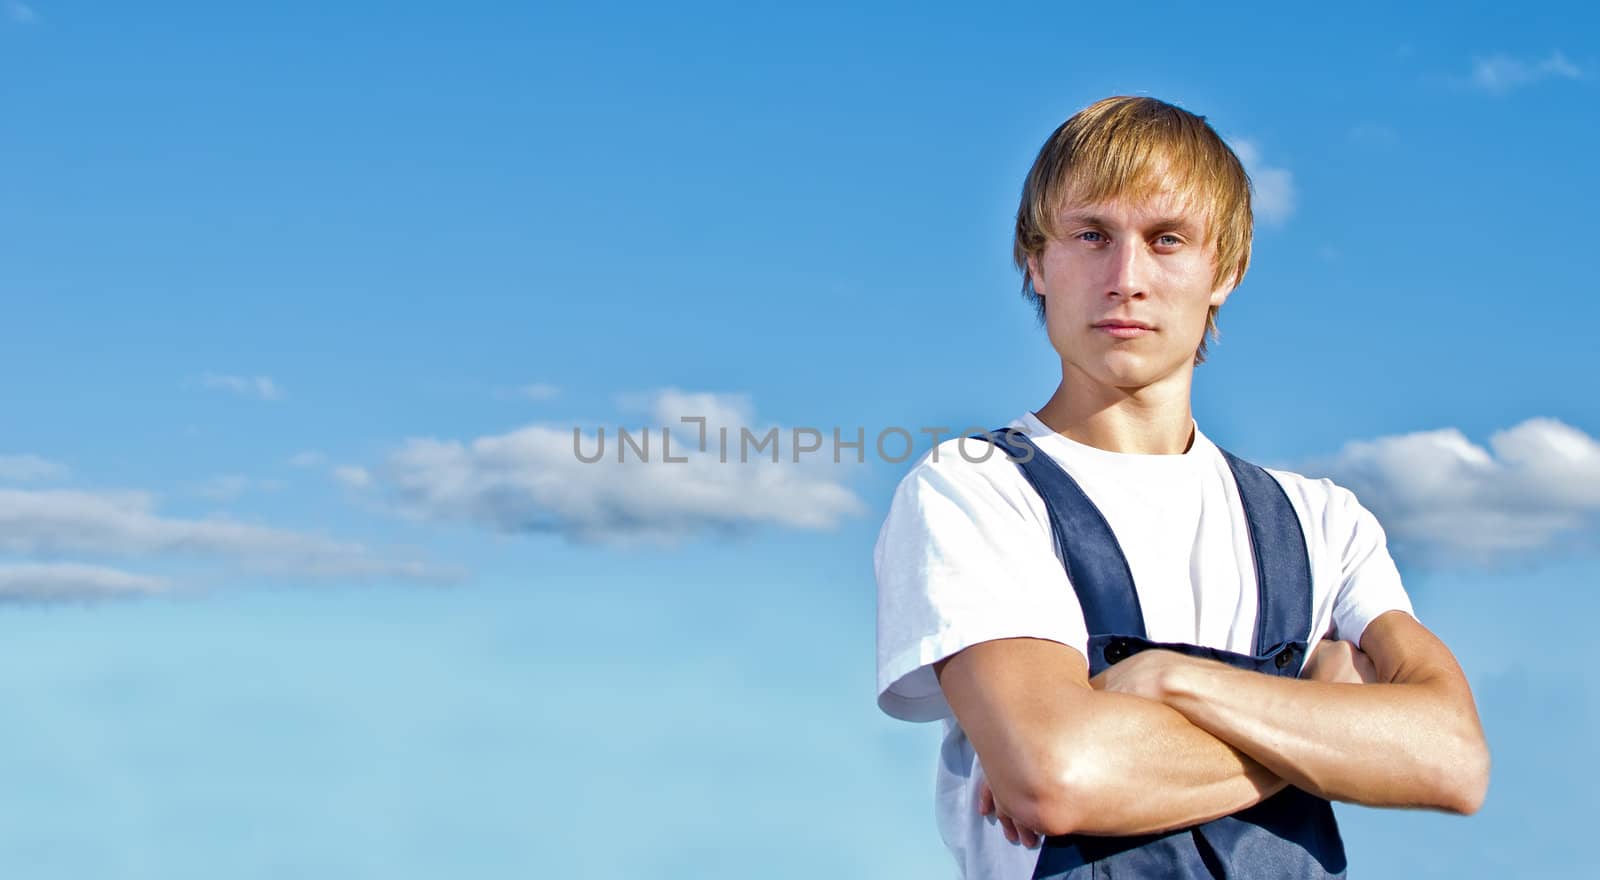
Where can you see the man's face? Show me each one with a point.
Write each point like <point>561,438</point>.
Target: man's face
<point>1126,287</point>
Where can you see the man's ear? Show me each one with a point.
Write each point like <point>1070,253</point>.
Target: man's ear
<point>1220,295</point>
<point>1034,275</point>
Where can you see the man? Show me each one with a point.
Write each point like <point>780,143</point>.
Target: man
<point>1113,616</point>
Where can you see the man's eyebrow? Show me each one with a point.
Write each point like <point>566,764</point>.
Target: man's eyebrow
<point>1163,223</point>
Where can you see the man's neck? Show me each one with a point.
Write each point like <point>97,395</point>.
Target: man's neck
<point>1153,420</point>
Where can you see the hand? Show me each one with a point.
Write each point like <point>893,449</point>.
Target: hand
<point>1014,832</point>
<point>1338,661</point>
<point>1144,674</point>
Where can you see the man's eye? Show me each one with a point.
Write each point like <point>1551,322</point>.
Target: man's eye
<point>1170,240</point>
<point>1086,236</point>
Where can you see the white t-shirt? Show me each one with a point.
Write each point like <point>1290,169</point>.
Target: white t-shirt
<point>966,555</point>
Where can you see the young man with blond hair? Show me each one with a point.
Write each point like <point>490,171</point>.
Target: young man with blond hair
<point>1152,658</point>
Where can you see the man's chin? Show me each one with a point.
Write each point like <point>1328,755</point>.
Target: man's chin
<point>1131,376</point>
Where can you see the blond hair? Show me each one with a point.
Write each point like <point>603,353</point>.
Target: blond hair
<point>1134,147</point>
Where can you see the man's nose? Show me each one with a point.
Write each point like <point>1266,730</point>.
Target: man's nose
<point>1130,271</point>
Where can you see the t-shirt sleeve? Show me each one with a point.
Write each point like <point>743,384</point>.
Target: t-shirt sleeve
<point>965,555</point>
<point>1370,583</point>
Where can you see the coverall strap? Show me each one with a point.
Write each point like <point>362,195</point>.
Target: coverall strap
<point>1095,563</point>
<point>1283,567</point>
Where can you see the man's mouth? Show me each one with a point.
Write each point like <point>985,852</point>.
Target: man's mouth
<point>1124,329</point>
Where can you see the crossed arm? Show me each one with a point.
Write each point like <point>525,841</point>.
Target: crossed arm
<point>1162,740</point>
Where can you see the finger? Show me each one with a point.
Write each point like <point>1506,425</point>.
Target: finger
<point>1008,827</point>
<point>1030,837</point>
<point>985,799</point>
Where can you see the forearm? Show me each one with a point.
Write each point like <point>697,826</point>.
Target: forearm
<point>1389,745</point>
<point>1143,767</point>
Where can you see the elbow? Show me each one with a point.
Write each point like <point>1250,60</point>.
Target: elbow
<point>1067,801</point>
<point>1464,777</point>
<point>1472,782</point>
<point>1039,805</point>
<point>1049,813</point>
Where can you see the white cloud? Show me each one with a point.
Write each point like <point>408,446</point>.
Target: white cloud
<point>20,12</point>
<point>23,468</point>
<point>1501,74</point>
<point>1444,500</point>
<point>353,476</point>
<point>261,387</point>
<point>669,406</point>
<point>125,524</point>
<point>532,480</point>
<point>57,581</point>
<point>1272,191</point>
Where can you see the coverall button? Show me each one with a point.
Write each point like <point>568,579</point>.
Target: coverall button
<point>1285,657</point>
<point>1116,649</point>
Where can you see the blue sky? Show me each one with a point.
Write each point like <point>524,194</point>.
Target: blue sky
<point>303,302</point>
